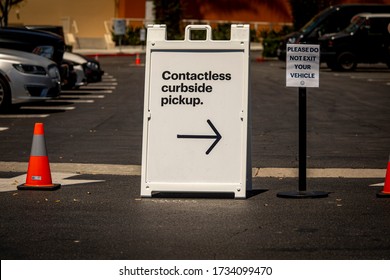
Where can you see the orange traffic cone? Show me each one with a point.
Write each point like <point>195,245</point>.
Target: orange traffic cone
<point>38,173</point>
<point>137,59</point>
<point>386,189</point>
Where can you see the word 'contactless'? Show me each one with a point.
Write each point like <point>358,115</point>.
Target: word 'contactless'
<point>207,76</point>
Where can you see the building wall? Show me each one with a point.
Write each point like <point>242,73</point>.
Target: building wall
<point>131,9</point>
<point>243,10</point>
<point>88,14</point>
<point>249,10</point>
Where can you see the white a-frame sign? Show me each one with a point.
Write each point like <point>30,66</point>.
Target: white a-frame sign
<point>196,131</point>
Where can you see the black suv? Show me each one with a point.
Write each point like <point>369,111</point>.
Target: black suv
<point>365,40</point>
<point>331,20</point>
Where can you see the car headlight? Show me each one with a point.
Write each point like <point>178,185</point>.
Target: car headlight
<point>30,69</point>
<point>292,40</point>
<point>54,72</point>
<point>92,65</point>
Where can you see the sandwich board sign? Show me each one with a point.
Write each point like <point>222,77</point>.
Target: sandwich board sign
<point>196,129</point>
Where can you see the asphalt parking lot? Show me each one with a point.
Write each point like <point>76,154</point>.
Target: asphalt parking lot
<point>108,220</point>
<point>95,151</point>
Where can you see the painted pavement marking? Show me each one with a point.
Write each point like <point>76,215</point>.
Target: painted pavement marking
<point>10,184</point>
<point>24,116</point>
<point>135,170</point>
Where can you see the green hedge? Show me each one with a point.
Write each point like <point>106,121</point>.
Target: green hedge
<point>132,37</point>
<point>270,39</point>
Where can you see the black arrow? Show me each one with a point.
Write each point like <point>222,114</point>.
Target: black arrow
<point>217,137</point>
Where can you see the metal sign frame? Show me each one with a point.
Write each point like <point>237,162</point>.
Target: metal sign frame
<point>192,142</point>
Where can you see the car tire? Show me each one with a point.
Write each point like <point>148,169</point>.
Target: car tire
<point>346,61</point>
<point>5,95</point>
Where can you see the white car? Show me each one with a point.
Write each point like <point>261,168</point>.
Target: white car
<point>92,68</point>
<point>26,77</point>
<point>77,63</point>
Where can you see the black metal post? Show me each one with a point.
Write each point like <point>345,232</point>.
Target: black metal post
<point>302,135</point>
<point>302,139</point>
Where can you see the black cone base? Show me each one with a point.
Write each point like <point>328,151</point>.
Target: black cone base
<point>39,188</point>
<point>382,194</point>
<point>303,194</point>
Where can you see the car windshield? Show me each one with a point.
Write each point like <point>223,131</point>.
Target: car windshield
<point>308,27</point>
<point>45,51</point>
<point>356,23</point>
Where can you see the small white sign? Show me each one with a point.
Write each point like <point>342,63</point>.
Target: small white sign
<point>119,26</point>
<point>302,65</point>
<point>142,35</point>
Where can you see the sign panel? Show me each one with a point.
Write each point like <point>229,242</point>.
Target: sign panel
<point>142,35</point>
<point>196,113</point>
<point>302,65</point>
<point>119,26</point>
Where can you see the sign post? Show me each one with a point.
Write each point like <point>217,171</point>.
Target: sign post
<point>302,70</point>
<point>196,133</point>
<point>142,37</point>
<point>120,29</point>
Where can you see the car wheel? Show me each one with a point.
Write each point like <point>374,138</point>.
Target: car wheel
<point>5,96</point>
<point>346,61</point>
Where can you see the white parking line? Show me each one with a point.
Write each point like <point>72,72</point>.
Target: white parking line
<point>70,100</point>
<point>86,91</point>
<point>83,96</point>
<point>3,128</point>
<point>320,172</point>
<point>378,80</point>
<point>358,77</point>
<point>62,108</point>
<point>23,116</point>
<point>98,88</point>
<point>106,83</point>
